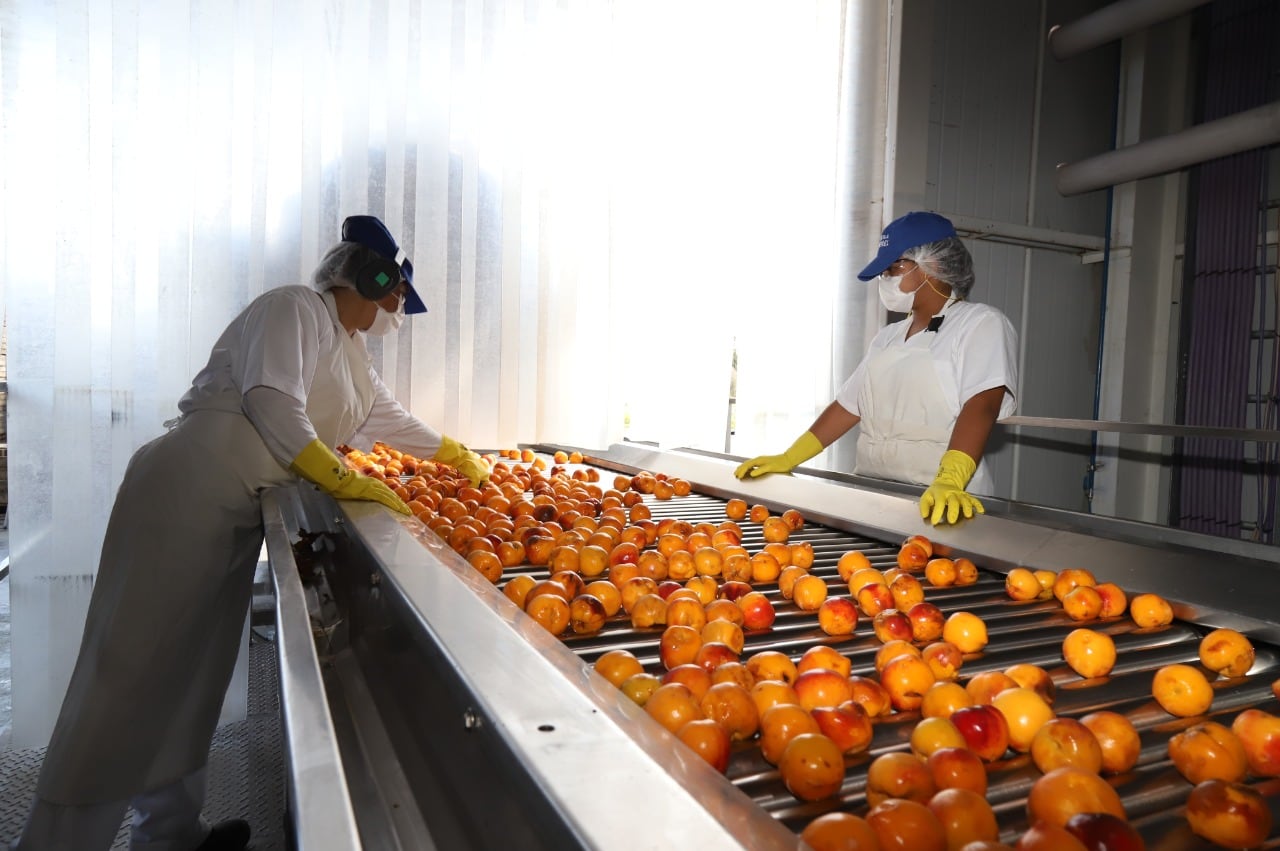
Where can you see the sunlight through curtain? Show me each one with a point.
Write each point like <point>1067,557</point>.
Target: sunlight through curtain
<point>602,201</point>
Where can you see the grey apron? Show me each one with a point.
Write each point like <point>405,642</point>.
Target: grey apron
<point>172,592</point>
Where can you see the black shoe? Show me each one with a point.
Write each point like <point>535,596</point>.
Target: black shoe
<point>229,835</point>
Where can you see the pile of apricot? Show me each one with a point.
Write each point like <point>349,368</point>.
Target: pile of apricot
<point>698,588</point>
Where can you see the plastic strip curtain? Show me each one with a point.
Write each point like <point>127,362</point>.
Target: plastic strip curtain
<point>598,196</point>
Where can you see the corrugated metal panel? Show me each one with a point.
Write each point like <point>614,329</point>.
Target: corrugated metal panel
<point>984,160</point>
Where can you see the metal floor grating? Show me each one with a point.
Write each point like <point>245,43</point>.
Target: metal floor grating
<point>246,767</point>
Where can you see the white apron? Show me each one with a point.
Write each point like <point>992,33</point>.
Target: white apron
<point>172,592</point>
<point>907,417</point>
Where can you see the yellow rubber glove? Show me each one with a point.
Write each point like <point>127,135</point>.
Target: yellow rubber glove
<point>461,458</point>
<point>947,496</point>
<point>805,447</point>
<point>317,463</point>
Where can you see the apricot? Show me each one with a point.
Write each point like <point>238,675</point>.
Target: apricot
<point>907,592</point>
<point>775,530</point>
<point>640,687</point>
<point>965,817</point>
<point>958,768</point>
<point>767,694</point>
<point>1035,678</point>
<point>838,616</point>
<point>779,725</point>
<point>871,696</point>
<point>713,654</point>
<point>985,730</point>
<point>932,734</point>
<point>821,687</point>
<point>1043,836</point>
<point>1150,610</point>
<point>692,676</point>
<point>824,656</point>
<point>848,725</point>
<point>839,831</point>
<point>944,659</point>
<point>1105,832</point>
<point>899,774</point>
<point>1082,603</point>
<point>860,576</point>
<point>679,645</point>
<point>1259,733</point>
<point>984,687</point>
<point>735,509</point>
<point>1230,815</point>
<point>927,621</point>
<point>966,631</point>
<point>1057,796</point>
<point>891,624</point>
<point>733,672</point>
<point>757,611</point>
<point>586,615</point>
<point>551,611</point>
<point>764,568</point>
<point>517,588</point>
<point>731,706</point>
<point>1227,652</point>
<point>772,665</point>
<point>1089,653</point>
<point>1182,690</point>
<point>851,562</point>
<point>1065,741</point>
<point>810,593</point>
<point>606,592</point>
<point>907,824</point>
<point>940,572</point>
<point>672,706</point>
<point>943,698</point>
<point>873,598</point>
<point>907,678</point>
<point>913,556</point>
<point>1208,751</point>
<point>1020,584</point>
<point>724,632</point>
<point>686,612</point>
<point>1071,578</point>
<point>1046,578</point>
<point>487,563</point>
<point>812,767</point>
<point>966,572</point>
<point>616,665</point>
<point>891,650</point>
<point>759,513</point>
<point>1114,600</point>
<point>1118,738</point>
<point>1026,712</point>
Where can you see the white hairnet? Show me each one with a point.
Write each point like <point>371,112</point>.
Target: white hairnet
<point>947,260</point>
<point>337,260</point>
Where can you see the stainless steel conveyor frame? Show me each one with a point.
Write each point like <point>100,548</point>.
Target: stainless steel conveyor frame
<point>462,723</point>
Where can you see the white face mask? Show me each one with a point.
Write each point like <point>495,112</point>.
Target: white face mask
<point>894,299</point>
<point>387,321</point>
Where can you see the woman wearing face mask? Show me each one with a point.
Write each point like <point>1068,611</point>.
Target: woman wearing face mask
<point>288,379</point>
<point>931,386</point>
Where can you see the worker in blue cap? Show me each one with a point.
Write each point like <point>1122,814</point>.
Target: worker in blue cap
<point>288,381</point>
<point>931,386</point>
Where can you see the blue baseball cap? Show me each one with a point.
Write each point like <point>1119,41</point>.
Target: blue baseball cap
<point>906,233</point>
<point>370,232</point>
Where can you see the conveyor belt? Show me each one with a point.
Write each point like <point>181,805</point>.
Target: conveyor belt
<point>439,646</point>
<point>1018,633</point>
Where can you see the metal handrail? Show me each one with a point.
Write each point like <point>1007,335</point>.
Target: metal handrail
<point>1259,434</point>
<point>322,815</point>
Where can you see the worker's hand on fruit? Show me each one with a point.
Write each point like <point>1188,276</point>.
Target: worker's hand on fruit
<point>805,447</point>
<point>465,461</point>
<point>946,499</point>
<point>317,463</point>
